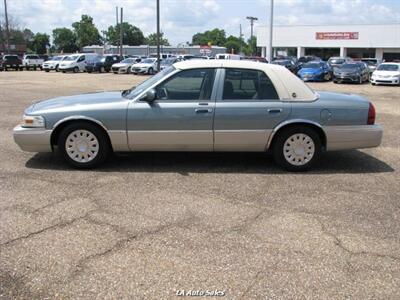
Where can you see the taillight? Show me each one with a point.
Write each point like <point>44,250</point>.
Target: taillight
<point>371,114</point>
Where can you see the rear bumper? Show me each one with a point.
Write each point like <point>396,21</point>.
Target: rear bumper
<point>353,137</point>
<point>32,139</point>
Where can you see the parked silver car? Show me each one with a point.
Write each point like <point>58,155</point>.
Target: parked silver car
<point>203,105</point>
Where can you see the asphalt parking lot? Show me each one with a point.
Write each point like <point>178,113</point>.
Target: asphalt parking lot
<point>144,226</point>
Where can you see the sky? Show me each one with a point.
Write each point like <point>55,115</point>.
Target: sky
<point>181,19</point>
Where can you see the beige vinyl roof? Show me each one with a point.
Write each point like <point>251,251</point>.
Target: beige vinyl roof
<point>288,85</point>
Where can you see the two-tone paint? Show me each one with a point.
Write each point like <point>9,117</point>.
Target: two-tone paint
<point>133,124</point>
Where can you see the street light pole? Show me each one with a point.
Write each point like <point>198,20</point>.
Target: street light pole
<point>270,52</point>
<point>7,29</point>
<point>252,19</point>
<point>158,35</point>
<point>121,33</point>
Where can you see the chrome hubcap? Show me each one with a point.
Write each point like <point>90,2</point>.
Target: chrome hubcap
<point>82,146</point>
<point>298,149</point>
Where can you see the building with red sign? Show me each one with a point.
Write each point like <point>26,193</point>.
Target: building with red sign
<point>356,41</point>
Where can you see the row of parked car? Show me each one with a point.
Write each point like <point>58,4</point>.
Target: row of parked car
<point>308,68</point>
<point>342,69</point>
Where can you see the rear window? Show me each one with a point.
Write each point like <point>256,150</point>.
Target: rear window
<point>244,84</point>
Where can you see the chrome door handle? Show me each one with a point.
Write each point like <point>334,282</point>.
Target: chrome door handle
<point>203,110</point>
<point>275,110</point>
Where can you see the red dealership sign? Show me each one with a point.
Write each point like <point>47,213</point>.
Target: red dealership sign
<point>336,35</point>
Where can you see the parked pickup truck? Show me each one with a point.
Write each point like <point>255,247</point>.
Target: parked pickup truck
<point>32,61</point>
<point>10,62</point>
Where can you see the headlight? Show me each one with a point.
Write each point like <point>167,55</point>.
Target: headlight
<point>32,121</point>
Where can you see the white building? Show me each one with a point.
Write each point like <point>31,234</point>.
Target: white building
<point>147,50</point>
<point>357,41</point>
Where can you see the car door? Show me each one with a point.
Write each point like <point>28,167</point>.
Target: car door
<point>179,119</point>
<point>247,109</point>
<point>81,63</point>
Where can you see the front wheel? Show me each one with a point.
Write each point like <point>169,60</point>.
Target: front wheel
<point>150,71</point>
<point>297,148</point>
<point>76,70</point>
<point>83,145</point>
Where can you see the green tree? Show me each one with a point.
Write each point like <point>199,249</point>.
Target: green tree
<point>216,37</point>
<point>251,49</point>
<point>151,39</point>
<point>233,42</point>
<point>64,40</point>
<point>86,32</point>
<point>131,35</point>
<point>39,43</point>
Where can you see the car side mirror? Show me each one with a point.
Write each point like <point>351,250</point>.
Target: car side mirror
<point>150,95</point>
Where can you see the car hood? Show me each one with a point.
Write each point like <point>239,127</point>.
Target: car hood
<point>142,65</point>
<point>347,71</point>
<point>119,65</point>
<point>310,70</point>
<point>76,101</point>
<point>390,73</point>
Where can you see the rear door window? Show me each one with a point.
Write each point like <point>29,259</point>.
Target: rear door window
<point>245,84</point>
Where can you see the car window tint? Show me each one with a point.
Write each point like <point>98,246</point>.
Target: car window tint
<point>195,84</point>
<point>242,84</point>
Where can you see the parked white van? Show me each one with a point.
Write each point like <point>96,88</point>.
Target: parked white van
<point>228,56</point>
<point>77,62</point>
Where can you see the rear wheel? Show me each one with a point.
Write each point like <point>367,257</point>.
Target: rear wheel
<point>83,145</point>
<point>297,148</point>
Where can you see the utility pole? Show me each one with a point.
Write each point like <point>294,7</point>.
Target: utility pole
<point>158,35</point>
<point>116,26</point>
<point>252,19</point>
<point>7,29</point>
<point>270,54</point>
<point>121,33</point>
<point>240,39</point>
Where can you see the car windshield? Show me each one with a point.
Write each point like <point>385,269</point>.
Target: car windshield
<point>71,58</point>
<point>135,91</point>
<point>128,61</point>
<point>149,60</point>
<point>349,66</point>
<point>388,67</point>
<point>336,61</point>
<point>56,58</point>
<point>311,66</point>
<point>370,62</point>
<point>10,57</point>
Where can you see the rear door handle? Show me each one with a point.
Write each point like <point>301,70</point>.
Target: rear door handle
<point>275,110</point>
<point>203,110</point>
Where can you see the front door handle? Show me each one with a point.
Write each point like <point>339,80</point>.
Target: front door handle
<point>275,110</point>
<point>203,110</point>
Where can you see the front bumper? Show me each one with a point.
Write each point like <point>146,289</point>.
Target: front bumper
<point>353,137</point>
<point>379,80</point>
<point>48,67</point>
<point>32,139</point>
<point>139,70</point>
<point>346,78</point>
<point>312,77</point>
